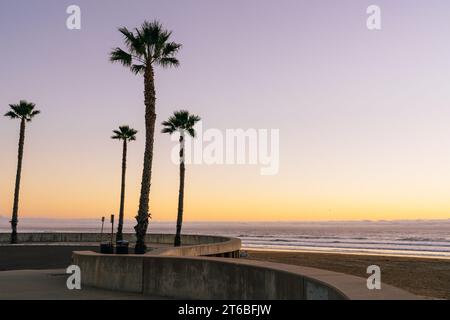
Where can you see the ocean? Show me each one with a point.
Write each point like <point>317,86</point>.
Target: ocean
<point>428,238</point>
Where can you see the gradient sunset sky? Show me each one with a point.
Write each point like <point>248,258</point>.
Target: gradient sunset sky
<point>364,116</point>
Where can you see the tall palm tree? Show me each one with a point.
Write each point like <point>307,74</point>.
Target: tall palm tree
<point>146,47</point>
<point>126,134</point>
<point>25,112</point>
<point>181,122</point>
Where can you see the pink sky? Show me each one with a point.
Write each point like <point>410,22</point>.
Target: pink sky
<point>364,116</point>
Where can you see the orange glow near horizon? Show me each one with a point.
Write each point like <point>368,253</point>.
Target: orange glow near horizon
<point>213,194</point>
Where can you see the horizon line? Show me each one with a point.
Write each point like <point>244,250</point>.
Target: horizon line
<point>237,221</point>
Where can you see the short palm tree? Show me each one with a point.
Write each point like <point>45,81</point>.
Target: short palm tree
<point>24,111</point>
<point>184,123</point>
<point>146,47</point>
<point>126,134</point>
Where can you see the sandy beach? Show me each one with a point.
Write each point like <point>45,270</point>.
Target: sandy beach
<point>422,276</point>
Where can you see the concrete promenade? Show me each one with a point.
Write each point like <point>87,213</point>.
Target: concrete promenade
<point>51,285</point>
<point>200,269</point>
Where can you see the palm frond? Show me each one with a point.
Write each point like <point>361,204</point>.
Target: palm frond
<point>191,132</point>
<point>194,118</point>
<point>168,62</point>
<point>125,133</point>
<point>170,49</point>
<point>23,110</point>
<point>11,114</point>
<point>161,43</point>
<point>145,45</point>
<point>34,113</point>
<point>181,121</point>
<point>138,68</point>
<point>151,32</point>
<point>119,55</point>
<point>133,43</point>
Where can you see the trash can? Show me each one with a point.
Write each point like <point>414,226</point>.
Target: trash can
<point>122,247</point>
<point>106,248</point>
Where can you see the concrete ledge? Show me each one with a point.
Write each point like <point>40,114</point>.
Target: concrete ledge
<point>225,247</point>
<point>193,245</point>
<point>224,279</point>
<point>79,237</point>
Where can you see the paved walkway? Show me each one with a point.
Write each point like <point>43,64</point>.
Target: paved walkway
<point>43,256</point>
<point>51,285</point>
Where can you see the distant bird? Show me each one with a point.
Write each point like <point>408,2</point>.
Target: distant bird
<point>181,122</point>
<point>147,46</point>
<point>126,134</point>
<point>25,112</point>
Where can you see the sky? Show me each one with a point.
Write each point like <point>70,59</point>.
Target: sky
<point>363,116</point>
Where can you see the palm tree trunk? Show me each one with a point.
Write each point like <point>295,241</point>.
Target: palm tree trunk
<point>180,194</point>
<point>119,235</point>
<point>15,212</point>
<point>150,119</point>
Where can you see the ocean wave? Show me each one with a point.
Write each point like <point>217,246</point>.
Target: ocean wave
<point>419,239</point>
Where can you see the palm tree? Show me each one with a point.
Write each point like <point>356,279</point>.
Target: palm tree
<point>25,112</point>
<point>181,122</point>
<point>146,47</point>
<point>126,134</point>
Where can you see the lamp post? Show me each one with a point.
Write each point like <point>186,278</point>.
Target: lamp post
<point>112,229</point>
<point>101,233</point>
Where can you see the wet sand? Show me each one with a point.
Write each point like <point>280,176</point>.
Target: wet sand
<point>421,276</point>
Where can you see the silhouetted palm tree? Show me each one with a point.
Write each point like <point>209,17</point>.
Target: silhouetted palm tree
<point>25,112</point>
<point>146,47</point>
<point>126,134</point>
<point>181,122</point>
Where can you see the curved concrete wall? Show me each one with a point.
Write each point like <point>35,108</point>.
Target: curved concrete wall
<point>193,245</point>
<point>223,247</point>
<point>215,278</point>
<point>79,237</point>
<point>221,280</point>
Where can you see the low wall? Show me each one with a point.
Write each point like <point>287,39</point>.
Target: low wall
<point>113,272</point>
<point>224,279</point>
<point>193,245</point>
<point>220,280</point>
<point>49,237</point>
<point>223,247</point>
